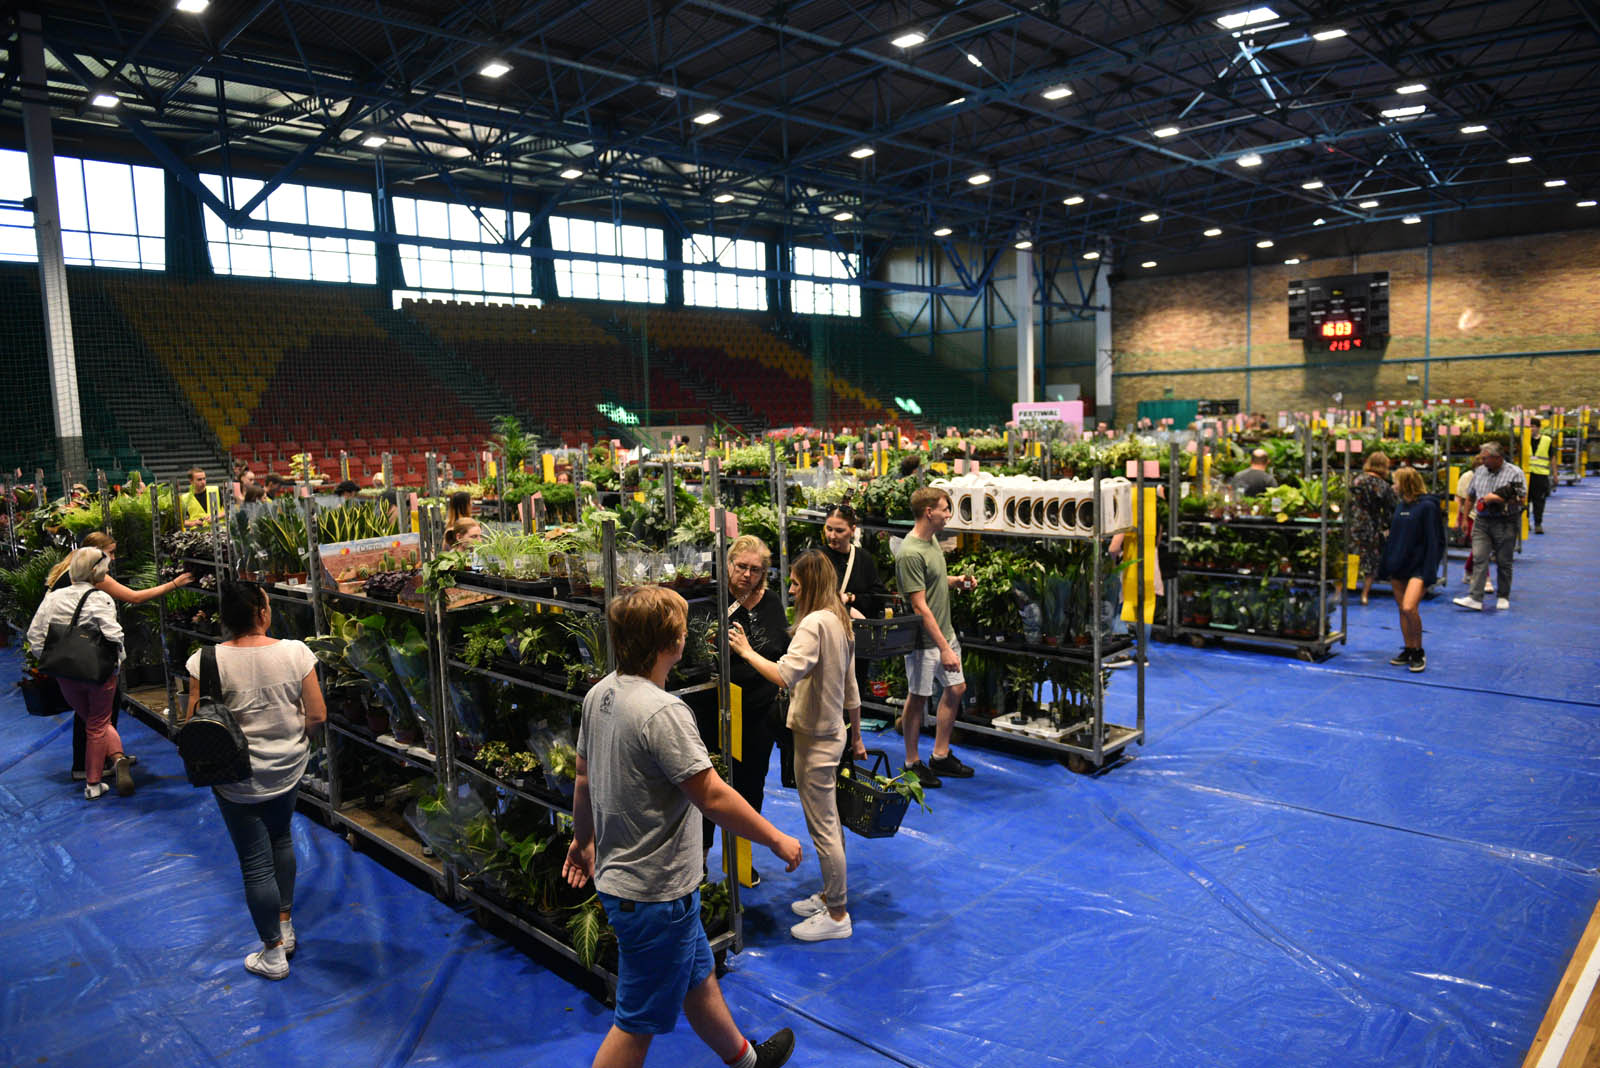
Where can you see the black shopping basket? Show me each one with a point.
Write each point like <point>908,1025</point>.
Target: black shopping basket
<point>885,639</point>
<point>868,809</point>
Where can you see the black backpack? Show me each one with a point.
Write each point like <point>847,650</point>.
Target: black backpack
<point>212,746</point>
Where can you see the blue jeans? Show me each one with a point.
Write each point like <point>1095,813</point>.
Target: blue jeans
<point>261,835</point>
<point>662,954</point>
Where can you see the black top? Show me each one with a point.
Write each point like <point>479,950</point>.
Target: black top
<point>768,630</point>
<point>1416,544</point>
<point>1253,481</point>
<point>864,582</point>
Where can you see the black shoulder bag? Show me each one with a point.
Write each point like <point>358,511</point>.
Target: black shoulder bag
<point>79,652</point>
<point>212,746</point>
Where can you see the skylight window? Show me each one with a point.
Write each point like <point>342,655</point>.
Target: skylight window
<point>1255,16</point>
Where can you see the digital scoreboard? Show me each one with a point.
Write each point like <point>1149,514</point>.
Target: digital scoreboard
<point>1347,313</point>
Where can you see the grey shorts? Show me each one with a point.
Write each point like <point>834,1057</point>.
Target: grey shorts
<point>922,667</point>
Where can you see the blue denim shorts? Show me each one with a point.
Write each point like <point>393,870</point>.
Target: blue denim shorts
<point>662,954</point>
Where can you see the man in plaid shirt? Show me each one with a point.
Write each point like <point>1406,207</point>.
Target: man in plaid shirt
<point>1497,493</point>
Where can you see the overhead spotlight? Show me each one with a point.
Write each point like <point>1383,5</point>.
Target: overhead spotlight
<point>1091,255</point>
<point>193,7</point>
<point>1215,231</point>
<point>1147,264</point>
<point>1315,183</point>
<point>842,216</point>
<point>706,118</point>
<point>1291,261</point>
<point>943,231</point>
<point>1586,203</point>
<point>1073,201</point>
<point>1165,132</point>
<point>572,172</point>
<point>1476,127</point>
<point>1329,35</point>
<point>1056,92</point>
<point>1413,87</point>
<point>957,100</point>
<point>981,178</point>
<point>1520,159</point>
<point>1149,217</point>
<point>1555,183</point>
<point>1411,220</point>
<point>909,39</point>
<point>863,152</point>
<point>1023,245</point>
<point>1255,16</point>
<point>1319,222</point>
<point>1265,242</point>
<point>1368,205</point>
<point>972,58</point>
<point>1251,159</point>
<point>1404,113</point>
<point>105,100</point>
<point>722,198</point>
<point>495,68</point>
<point>374,141</point>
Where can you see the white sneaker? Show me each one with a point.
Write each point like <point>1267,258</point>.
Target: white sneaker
<point>93,791</point>
<point>1488,585</point>
<point>821,927</point>
<point>1502,604</point>
<point>268,962</point>
<point>1468,601</point>
<point>286,932</point>
<point>809,906</point>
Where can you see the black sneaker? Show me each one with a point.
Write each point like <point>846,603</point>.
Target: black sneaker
<point>949,766</point>
<point>1419,662</point>
<point>755,878</point>
<point>775,1050</point>
<point>924,774</point>
<point>1402,658</point>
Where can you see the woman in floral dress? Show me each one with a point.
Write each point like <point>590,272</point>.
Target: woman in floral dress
<point>1372,503</point>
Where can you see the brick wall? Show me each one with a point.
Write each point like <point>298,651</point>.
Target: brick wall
<point>1524,294</point>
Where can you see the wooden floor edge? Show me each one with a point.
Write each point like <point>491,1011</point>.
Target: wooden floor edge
<point>1563,994</point>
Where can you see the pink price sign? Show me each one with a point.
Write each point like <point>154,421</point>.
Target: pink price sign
<point>1152,468</point>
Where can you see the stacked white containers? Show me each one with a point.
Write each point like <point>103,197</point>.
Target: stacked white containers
<point>1023,504</point>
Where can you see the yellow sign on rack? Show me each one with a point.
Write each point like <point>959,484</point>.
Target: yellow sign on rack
<point>1352,571</point>
<point>1142,554</point>
<point>490,470</point>
<point>1453,481</point>
<point>548,463</point>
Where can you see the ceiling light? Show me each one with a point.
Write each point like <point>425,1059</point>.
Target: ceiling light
<point>1520,159</point>
<point>1320,222</point>
<point>1315,183</point>
<point>1404,113</point>
<point>957,100</point>
<point>1056,92</point>
<point>943,231</point>
<point>981,178</point>
<point>863,152</point>
<point>1147,264</point>
<point>374,141</point>
<point>1414,87</point>
<point>1166,131</point>
<point>909,39</point>
<point>842,216</point>
<point>1329,35</point>
<point>1291,261</point>
<point>495,68</point>
<point>722,198</point>
<point>193,7</point>
<point>1024,245</point>
<point>974,60</point>
<point>1091,255</point>
<point>1411,220</point>
<point>1555,183</point>
<point>105,100</point>
<point>1474,128</point>
<point>1251,159</point>
<point>1073,201</point>
<point>1149,216</point>
<point>572,172</point>
<point>706,118</point>
<point>1253,17</point>
<point>1586,203</point>
<point>1368,204</point>
<point>1265,242</point>
<point>1215,231</point>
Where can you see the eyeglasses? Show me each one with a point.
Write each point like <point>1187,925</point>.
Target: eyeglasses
<point>748,569</point>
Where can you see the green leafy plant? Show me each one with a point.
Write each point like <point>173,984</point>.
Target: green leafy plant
<point>510,439</point>
<point>589,932</point>
<point>907,785</point>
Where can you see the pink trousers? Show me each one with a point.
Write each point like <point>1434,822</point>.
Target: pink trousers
<point>93,705</point>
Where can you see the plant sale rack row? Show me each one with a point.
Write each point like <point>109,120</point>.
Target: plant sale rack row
<point>1330,535</point>
<point>1091,743</point>
<point>323,795</point>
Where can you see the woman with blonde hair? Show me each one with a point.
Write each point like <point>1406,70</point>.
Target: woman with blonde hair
<point>1411,560</point>
<point>1372,502</point>
<point>819,670</point>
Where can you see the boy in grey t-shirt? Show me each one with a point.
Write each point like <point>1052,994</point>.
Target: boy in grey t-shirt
<point>642,769</point>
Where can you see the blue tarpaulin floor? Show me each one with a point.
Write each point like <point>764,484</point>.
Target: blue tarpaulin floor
<point>1318,864</point>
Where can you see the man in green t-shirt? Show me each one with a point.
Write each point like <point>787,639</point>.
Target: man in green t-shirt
<point>920,572</point>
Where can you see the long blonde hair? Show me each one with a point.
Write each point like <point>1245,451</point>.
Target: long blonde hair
<point>819,588</point>
<point>95,539</point>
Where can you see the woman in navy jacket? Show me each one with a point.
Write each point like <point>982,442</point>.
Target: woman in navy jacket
<point>1410,560</point>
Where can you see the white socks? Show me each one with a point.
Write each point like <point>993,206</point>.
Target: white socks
<point>286,932</point>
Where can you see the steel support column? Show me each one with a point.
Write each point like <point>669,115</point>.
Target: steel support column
<point>1105,408</point>
<point>1024,316</point>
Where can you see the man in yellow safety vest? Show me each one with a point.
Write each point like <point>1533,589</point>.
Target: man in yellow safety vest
<point>1539,473</point>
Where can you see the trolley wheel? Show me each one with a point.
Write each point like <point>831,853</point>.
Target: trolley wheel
<point>1081,765</point>
<point>350,838</point>
<point>1307,655</point>
<point>1197,641</point>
